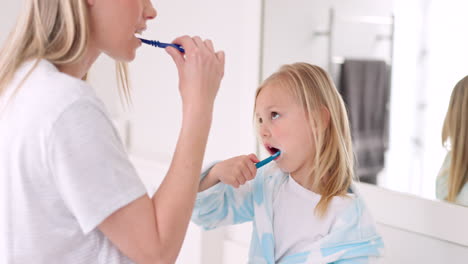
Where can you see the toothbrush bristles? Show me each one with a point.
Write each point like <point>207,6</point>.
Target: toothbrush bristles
<point>158,44</point>
<point>150,42</point>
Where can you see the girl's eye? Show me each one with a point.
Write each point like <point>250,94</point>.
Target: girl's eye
<point>274,115</point>
<point>260,120</point>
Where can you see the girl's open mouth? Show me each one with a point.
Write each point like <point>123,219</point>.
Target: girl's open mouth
<point>273,151</point>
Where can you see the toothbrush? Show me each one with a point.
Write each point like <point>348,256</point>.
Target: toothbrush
<point>158,44</point>
<point>267,160</point>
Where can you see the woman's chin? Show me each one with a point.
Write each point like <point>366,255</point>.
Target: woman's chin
<point>123,55</point>
<point>126,57</point>
<point>131,57</point>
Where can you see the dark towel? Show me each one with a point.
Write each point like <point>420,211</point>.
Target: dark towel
<point>365,87</point>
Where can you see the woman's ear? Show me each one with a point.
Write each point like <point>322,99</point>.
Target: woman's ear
<point>91,2</point>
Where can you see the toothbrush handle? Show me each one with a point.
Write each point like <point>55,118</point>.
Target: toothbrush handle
<point>267,160</point>
<point>177,46</point>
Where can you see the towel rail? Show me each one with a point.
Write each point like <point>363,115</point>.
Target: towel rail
<point>374,20</point>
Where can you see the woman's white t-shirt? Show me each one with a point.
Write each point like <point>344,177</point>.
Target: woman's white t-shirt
<point>63,170</point>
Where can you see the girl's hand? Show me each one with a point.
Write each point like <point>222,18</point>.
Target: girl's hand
<point>200,71</point>
<point>236,171</point>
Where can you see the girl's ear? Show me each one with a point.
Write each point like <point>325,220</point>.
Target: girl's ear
<point>91,2</point>
<point>325,114</point>
<point>322,115</point>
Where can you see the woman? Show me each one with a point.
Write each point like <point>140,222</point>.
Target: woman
<point>68,191</point>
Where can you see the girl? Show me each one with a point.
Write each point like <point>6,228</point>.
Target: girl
<point>303,207</point>
<point>69,193</point>
<point>453,177</point>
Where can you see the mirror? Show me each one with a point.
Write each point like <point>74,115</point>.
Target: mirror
<point>424,48</point>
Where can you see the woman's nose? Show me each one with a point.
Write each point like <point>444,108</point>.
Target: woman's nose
<point>149,11</point>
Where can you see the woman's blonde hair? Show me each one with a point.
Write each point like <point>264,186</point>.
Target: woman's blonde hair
<point>332,172</point>
<point>54,30</point>
<point>455,136</point>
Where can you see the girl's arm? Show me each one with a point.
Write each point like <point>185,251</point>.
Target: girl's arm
<point>226,193</point>
<point>152,230</point>
<point>234,171</point>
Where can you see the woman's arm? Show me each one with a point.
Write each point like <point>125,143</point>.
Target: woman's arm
<point>152,230</point>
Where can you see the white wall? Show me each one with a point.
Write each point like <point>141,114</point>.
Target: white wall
<point>8,13</point>
<point>234,27</point>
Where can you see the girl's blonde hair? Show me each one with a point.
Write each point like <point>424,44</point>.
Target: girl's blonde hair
<point>54,30</point>
<point>332,172</point>
<point>455,136</point>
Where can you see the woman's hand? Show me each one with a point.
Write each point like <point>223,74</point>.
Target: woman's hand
<point>200,71</point>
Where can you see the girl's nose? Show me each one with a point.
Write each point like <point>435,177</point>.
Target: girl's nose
<point>264,131</point>
<point>149,11</point>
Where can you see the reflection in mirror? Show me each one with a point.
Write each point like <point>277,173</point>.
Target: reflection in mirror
<point>430,57</point>
<point>452,179</point>
<point>409,52</point>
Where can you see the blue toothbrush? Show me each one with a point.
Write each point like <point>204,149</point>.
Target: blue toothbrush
<point>158,44</point>
<point>267,160</point>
